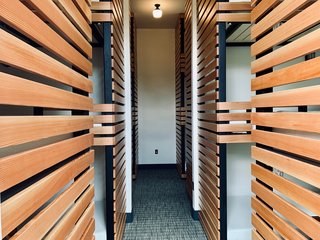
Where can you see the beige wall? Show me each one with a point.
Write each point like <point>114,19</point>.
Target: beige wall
<point>156,92</point>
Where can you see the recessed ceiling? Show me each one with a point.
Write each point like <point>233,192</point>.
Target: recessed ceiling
<point>142,10</point>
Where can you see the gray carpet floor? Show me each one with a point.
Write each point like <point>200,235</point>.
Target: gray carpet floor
<point>161,208</point>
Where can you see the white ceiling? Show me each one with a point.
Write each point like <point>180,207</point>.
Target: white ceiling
<point>142,10</point>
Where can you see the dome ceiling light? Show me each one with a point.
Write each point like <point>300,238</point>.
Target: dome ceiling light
<point>157,12</point>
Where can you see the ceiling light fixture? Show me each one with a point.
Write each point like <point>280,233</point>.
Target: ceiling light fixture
<point>157,12</point>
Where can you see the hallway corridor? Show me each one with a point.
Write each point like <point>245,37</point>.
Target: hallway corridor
<point>161,208</point>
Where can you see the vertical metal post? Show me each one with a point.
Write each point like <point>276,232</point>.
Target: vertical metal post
<point>108,149</point>
<point>223,147</point>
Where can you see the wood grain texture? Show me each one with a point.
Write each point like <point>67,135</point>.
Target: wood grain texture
<point>18,16</point>
<point>82,223</point>
<point>84,9</point>
<point>306,223</point>
<point>306,172</point>
<point>298,145</point>
<point>101,17</point>
<point>19,207</point>
<point>42,223</point>
<point>17,53</point>
<point>106,6</point>
<point>261,8</point>
<point>308,122</point>
<point>299,72</point>
<point>88,233</point>
<point>57,18</point>
<point>19,167</point>
<point>300,47</point>
<point>274,220</point>
<point>234,6</point>
<point>276,15</point>
<point>263,228</point>
<point>71,11</point>
<point>234,17</point>
<point>23,92</point>
<point>296,25</point>
<point>285,135</point>
<point>69,220</point>
<point>19,130</point>
<point>297,193</point>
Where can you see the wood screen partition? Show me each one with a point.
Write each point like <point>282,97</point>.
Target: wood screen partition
<point>134,96</point>
<point>220,122</point>
<point>46,165</point>
<point>180,97</point>
<point>286,185</point>
<point>188,96</point>
<point>110,128</point>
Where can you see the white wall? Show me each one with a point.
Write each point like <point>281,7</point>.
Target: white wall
<point>156,95</point>
<point>97,95</point>
<point>238,155</point>
<point>128,117</point>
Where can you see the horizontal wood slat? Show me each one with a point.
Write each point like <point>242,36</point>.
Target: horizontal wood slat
<point>286,119</point>
<point>46,170</point>
<point>234,6</point>
<point>75,17</point>
<point>114,143</point>
<point>106,6</point>
<point>234,17</point>
<point>43,222</point>
<point>292,190</point>
<point>300,47</point>
<point>69,220</point>
<point>298,145</point>
<point>289,165</point>
<point>19,207</point>
<point>102,17</point>
<point>19,167</point>
<point>309,122</point>
<point>19,130</point>
<point>19,54</point>
<point>84,8</point>
<point>279,13</point>
<point>18,16</point>
<point>82,223</point>
<point>306,223</point>
<point>18,91</point>
<point>299,72</point>
<point>274,220</point>
<point>293,26</point>
<point>57,18</point>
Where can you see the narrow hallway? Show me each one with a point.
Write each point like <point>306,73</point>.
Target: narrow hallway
<point>161,208</point>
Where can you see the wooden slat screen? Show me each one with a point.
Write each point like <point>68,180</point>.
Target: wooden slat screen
<point>188,96</point>
<point>220,122</point>
<point>107,125</point>
<point>208,96</point>
<point>102,11</point>
<point>286,185</point>
<point>134,97</point>
<point>119,159</point>
<point>110,123</point>
<point>180,96</point>
<point>233,122</point>
<point>46,165</point>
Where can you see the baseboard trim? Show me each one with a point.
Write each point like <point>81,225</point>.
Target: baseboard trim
<point>157,166</point>
<point>194,214</point>
<point>129,217</point>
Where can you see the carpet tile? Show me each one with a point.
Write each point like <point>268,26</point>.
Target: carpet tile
<point>161,208</point>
